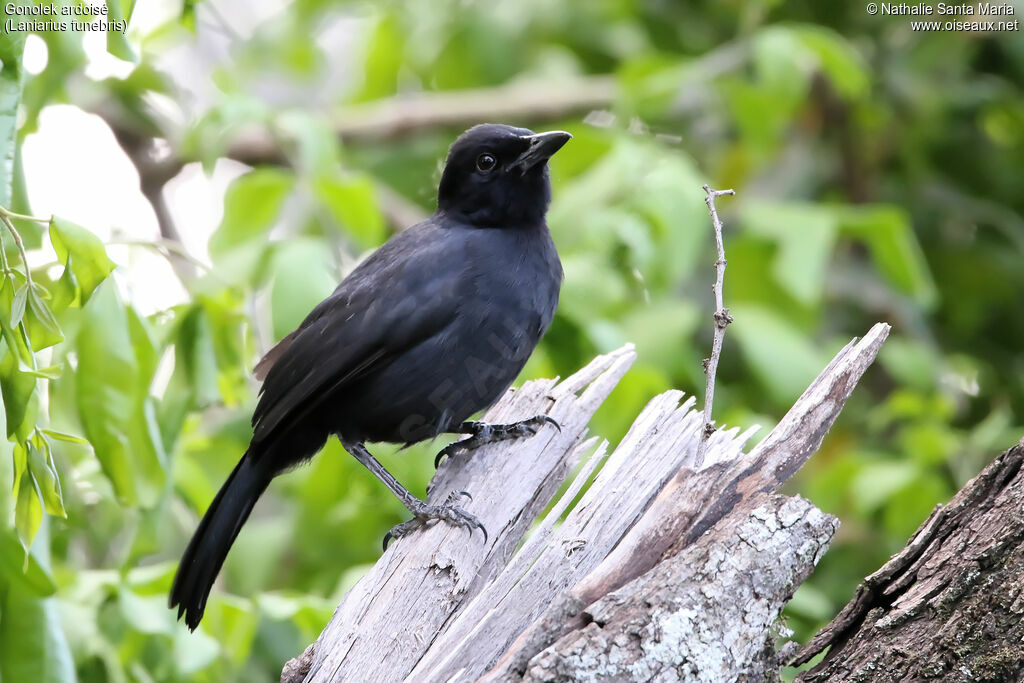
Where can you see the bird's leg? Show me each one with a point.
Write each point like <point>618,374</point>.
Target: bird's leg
<point>449,511</point>
<point>482,433</point>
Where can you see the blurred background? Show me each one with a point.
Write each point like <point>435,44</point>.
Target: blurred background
<point>236,159</point>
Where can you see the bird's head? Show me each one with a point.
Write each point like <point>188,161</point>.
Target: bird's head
<point>497,176</point>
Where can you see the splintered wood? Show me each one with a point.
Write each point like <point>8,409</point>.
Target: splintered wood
<point>646,566</point>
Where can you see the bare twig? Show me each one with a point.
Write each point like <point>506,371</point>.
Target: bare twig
<point>171,250</point>
<point>722,320</point>
<point>6,217</point>
<point>22,216</point>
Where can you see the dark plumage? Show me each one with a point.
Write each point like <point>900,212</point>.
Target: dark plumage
<point>430,329</point>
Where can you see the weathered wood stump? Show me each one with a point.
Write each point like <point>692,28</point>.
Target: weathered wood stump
<point>646,567</point>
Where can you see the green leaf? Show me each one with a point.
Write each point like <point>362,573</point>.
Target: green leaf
<point>188,15</point>
<point>17,387</point>
<point>146,614</point>
<point>28,513</point>
<point>761,112</point>
<point>302,279</point>
<point>233,623</point>
<point>82,253</point>
<point>352,203</point>
<point>811,603</point>
<point>805,235</point>
<point>21,569</point>
<point>42,327</point>
<point>105,387</point>
<point>117,44</point>
<point>43,469</point>
<point>590,290</point>
<point>251,207</point>
<point>383,60</point>
<point>51,372</point>
<point>912,363</point>
<point>66,291</point>
<point>7,477</point>
<point>193,652</point>
<point>33,646</point>
<point>115,365</point>
<point>19,456</point>
<point>18,304</point>
<point>61,436</point>
<point>887,233</point>
<point>779,354</point>
<point>228,325</point>
<point>196,355</point>
<point>9,291</point>
<point>838,59</point>
<point>878,481</point>
<point>316,141</point>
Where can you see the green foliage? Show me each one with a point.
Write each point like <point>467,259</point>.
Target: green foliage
<point>11,46</point>
<point>116,362</point>
<point>876,172</point>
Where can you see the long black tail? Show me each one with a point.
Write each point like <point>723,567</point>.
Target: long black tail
<point>210,544</point>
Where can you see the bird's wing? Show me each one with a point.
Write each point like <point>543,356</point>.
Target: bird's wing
<point>271,356</point>
<point>402,295</point>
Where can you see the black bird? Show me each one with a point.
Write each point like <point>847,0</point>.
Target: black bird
<point>430,329</point>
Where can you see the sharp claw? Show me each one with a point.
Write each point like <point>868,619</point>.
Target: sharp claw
<point>449,512</point>
<point>547,419</point>
<point>446,452</point>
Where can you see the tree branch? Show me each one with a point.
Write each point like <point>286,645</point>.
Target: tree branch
<point>154,173</point>
<point>407,114</point>
<point>952,597</point>
<point>386,119</point>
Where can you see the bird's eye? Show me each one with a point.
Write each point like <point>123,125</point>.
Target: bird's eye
<point>486,162</point>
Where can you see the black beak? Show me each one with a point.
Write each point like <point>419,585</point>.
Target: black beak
<point>542,146</point>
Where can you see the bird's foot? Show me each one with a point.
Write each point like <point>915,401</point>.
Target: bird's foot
<point>448,511</point>
<point>482,433</point>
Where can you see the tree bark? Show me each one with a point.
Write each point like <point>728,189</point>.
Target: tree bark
<point>950,606</point>
<point>654,568</point>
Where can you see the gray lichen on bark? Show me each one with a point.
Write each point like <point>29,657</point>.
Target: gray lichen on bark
<point>707,613</point>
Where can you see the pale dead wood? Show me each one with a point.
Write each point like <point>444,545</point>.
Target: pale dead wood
<point>439,607</point>
<point>396,611</point>
<point>695,501</point>
<point>661,439</point>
